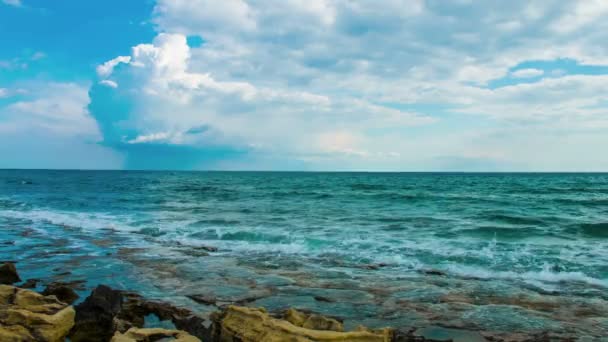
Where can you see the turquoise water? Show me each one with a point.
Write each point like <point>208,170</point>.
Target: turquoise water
<point>499,252</point>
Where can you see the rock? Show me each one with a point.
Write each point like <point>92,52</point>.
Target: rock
<point>324,299</point>
<point>252,325</point>
<point>312,321</point>
<point>8,274</point>
<point>63,292</point>
<point>29,316</point>
<point>95,316</point>
<point>155,334</point>
<point>135,308</point>
<point>434,272</point>
<point>27,232</point>
<point>207,248</point>
<point>30,284</point>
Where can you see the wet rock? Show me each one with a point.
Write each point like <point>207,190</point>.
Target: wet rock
<point>62,291</point>
<point>95,316</point>
<point>434,272</point>
<point>220,302</point>
<point>27,232</point>
<point>207,248</point>
<point>312,321</point>
<point>252,325</point>
<point>30,284</point>
<point>29,316</point>
<point>323,299</point>
<point>8,274</point>
<point>155,334</point>
<point>203,299</point>
<point>135,308</point>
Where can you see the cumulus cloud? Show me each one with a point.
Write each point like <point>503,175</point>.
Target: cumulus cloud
<point>342,82</point>
<point>172,102</point>
<point>106,68</point>
<point>52,119</point>
<point>527,73</point>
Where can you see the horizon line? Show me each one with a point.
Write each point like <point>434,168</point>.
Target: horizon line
<point>304,171</point>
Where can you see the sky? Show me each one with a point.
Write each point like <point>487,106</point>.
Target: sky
<point>362,85</point>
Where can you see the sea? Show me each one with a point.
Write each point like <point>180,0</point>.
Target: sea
<point>499,252</point>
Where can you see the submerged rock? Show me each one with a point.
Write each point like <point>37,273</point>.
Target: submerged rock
<point>95,316</point>
<point>29,316</point>
<point>154,334</point>
<point>8,274</point>
<point>30,284</point>
<point>62,291</point>
<point>252,325</point>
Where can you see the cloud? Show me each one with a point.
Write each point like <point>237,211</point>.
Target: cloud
<point>352,84</point>
<point>3,92</point>
<point>172,103</point>
<point>51,120</point>
<point>106,69</point>
<point>16,3</point>
<point>109,83</point>
<point>527,73</point>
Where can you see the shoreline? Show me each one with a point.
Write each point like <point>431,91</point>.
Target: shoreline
<point>110,314</point>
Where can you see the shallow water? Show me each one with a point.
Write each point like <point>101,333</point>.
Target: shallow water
<point>498,252</point>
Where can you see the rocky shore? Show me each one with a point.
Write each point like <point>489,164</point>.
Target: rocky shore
<point>120,316</point>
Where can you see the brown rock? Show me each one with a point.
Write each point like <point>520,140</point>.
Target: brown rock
<point>155,334</point>
<point>8,274</point>
<point>312,321</point>
<point>252,325</point>
<point>29,316</point>
<point>63,292</point>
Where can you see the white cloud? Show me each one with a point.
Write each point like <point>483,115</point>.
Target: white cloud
<point>16,3</point>
<point>106,68</point>
<point>109,83</point>
<point>527,73</point>
<point>3,92</point>
<point>334,82</point>
<point>52,120</point>
<point>59,108</point>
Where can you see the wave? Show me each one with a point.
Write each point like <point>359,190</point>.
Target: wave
<point>546,275</point>
<point>512,219</point>
<point>93,221</point>
<point>598,230</point>
<point>502,232</point>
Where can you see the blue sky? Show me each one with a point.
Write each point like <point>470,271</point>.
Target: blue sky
<point>411,85</point>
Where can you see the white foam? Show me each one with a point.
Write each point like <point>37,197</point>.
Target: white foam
<point>534,278</point>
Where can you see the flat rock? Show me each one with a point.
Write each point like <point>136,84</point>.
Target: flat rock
<point>252,325</point>
<point>29,316</point>
<point>153,334</point>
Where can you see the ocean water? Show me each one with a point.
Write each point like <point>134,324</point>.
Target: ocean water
<point>497,252</point>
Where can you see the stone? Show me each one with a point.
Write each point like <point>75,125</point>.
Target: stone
<point>245,324</point>
<point>29,316</point>
<point>135,308</point>
<point>30,284</point>
<point>63,292</point>
<point>95,316</point>
<point>312,321</point>
<point>153,334</point>
<point>8,274</point>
